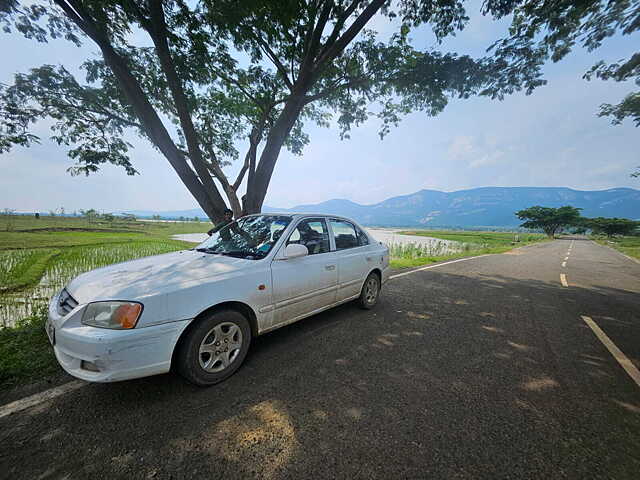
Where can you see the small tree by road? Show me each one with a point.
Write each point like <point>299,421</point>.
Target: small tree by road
<point>613,226</point>
<point>549,220</point>
<point>90,214</point>
<point>108,217</point>
<point>8,215</point>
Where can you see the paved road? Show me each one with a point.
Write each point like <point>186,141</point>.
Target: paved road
<point>476,369</point>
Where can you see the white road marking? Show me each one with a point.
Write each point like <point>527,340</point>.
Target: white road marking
<point>564,264</point>
<point>39,398</point>
<point>621,358</point>
<point>566,258</point>
<point>435,266</point>
<point>563,280</point>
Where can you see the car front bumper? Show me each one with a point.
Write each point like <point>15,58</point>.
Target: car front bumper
<point>103,355</point>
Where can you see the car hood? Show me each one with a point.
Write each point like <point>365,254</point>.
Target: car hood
<point>150,276</point>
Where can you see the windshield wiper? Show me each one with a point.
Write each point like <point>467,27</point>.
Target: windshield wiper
<point>235,253</point>
<point>207,250</point>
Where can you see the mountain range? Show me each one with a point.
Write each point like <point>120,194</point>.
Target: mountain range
<point>478,207</point>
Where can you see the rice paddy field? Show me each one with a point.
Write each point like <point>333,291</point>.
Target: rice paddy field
<point>40,256</point>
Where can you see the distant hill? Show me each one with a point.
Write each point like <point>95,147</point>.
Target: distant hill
<point>478,207</point>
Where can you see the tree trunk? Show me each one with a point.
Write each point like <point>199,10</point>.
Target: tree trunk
<point>277,135</point>
<point>234,201</point>
<point>158,33</point>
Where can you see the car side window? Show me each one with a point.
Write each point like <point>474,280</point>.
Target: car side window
<point>313,234</point>
<point>344,234</point>
<point>362,237</point>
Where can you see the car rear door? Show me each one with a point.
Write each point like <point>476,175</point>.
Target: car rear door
<point>305,284</point>
<point>354,257</point>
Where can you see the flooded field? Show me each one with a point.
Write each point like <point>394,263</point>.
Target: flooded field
<point>69,263</point>
<point>415,246</point>
<point>400,246</point>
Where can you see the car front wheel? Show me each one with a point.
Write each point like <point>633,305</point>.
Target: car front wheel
<point>214,348</point>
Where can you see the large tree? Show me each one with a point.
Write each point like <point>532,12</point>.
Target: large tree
<point>550,220</point>
<point>225,72</point>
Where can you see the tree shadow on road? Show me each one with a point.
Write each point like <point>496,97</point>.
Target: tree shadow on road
<point>451,375</point>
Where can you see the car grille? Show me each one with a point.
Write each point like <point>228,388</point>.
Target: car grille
<point>66,303</point>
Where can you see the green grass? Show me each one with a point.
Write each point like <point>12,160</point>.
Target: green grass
<point>488,239</point>
<point>627,245</point>
<point>25,352</point>
<point>22,231</point>
<point>471,244</point>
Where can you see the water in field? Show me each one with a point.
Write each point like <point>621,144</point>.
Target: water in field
<point>70,263</point>
<point>415,246</point>
<point>404,246</point>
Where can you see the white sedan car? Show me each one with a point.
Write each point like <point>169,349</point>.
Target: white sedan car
<point>198,310</point>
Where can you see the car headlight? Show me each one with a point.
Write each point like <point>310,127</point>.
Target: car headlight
<point>114,315</point>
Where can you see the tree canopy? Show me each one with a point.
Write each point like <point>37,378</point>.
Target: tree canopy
<point>211,75</point>
<point>550,220</point>
<point>612,226</point>
<point>550,29</point>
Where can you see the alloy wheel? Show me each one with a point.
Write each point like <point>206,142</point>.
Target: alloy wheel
<point>220,347</point>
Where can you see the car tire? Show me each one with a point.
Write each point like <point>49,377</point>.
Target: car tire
<point>214,348</point>
<point>370,292</point>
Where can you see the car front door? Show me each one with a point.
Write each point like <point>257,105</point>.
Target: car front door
<point>354,258</point>
<point>305,284</point>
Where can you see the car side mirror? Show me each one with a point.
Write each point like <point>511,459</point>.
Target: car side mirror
<point>295,250</point>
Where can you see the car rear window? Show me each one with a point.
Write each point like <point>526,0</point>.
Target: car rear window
<point>344,234</point>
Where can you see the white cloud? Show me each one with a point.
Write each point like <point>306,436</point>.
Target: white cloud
<point>461,146</point>
<point>487,159</point>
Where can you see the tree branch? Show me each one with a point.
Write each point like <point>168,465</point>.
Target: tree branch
<point>334,88</point>
<point>314,40</point>
<point>274,59</point>
<point>339,24</point>
<point>235,82</point>
<point>250,157</point>
<point>356,27</point>
<point>134,94</point>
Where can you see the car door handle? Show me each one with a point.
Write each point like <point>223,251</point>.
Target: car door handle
<point>329,267</point>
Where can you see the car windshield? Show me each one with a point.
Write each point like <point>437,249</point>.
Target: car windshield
<point>250,237</point>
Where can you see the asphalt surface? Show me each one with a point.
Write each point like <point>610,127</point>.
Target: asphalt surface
<point>476,369</point>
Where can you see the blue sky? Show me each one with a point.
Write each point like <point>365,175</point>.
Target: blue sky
<point>550,138</point>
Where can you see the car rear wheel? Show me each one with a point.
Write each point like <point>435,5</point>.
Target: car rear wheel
<point>370,291</point>
<point>214,348</point>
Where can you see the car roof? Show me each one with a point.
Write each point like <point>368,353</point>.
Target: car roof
<point>305,214</point>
